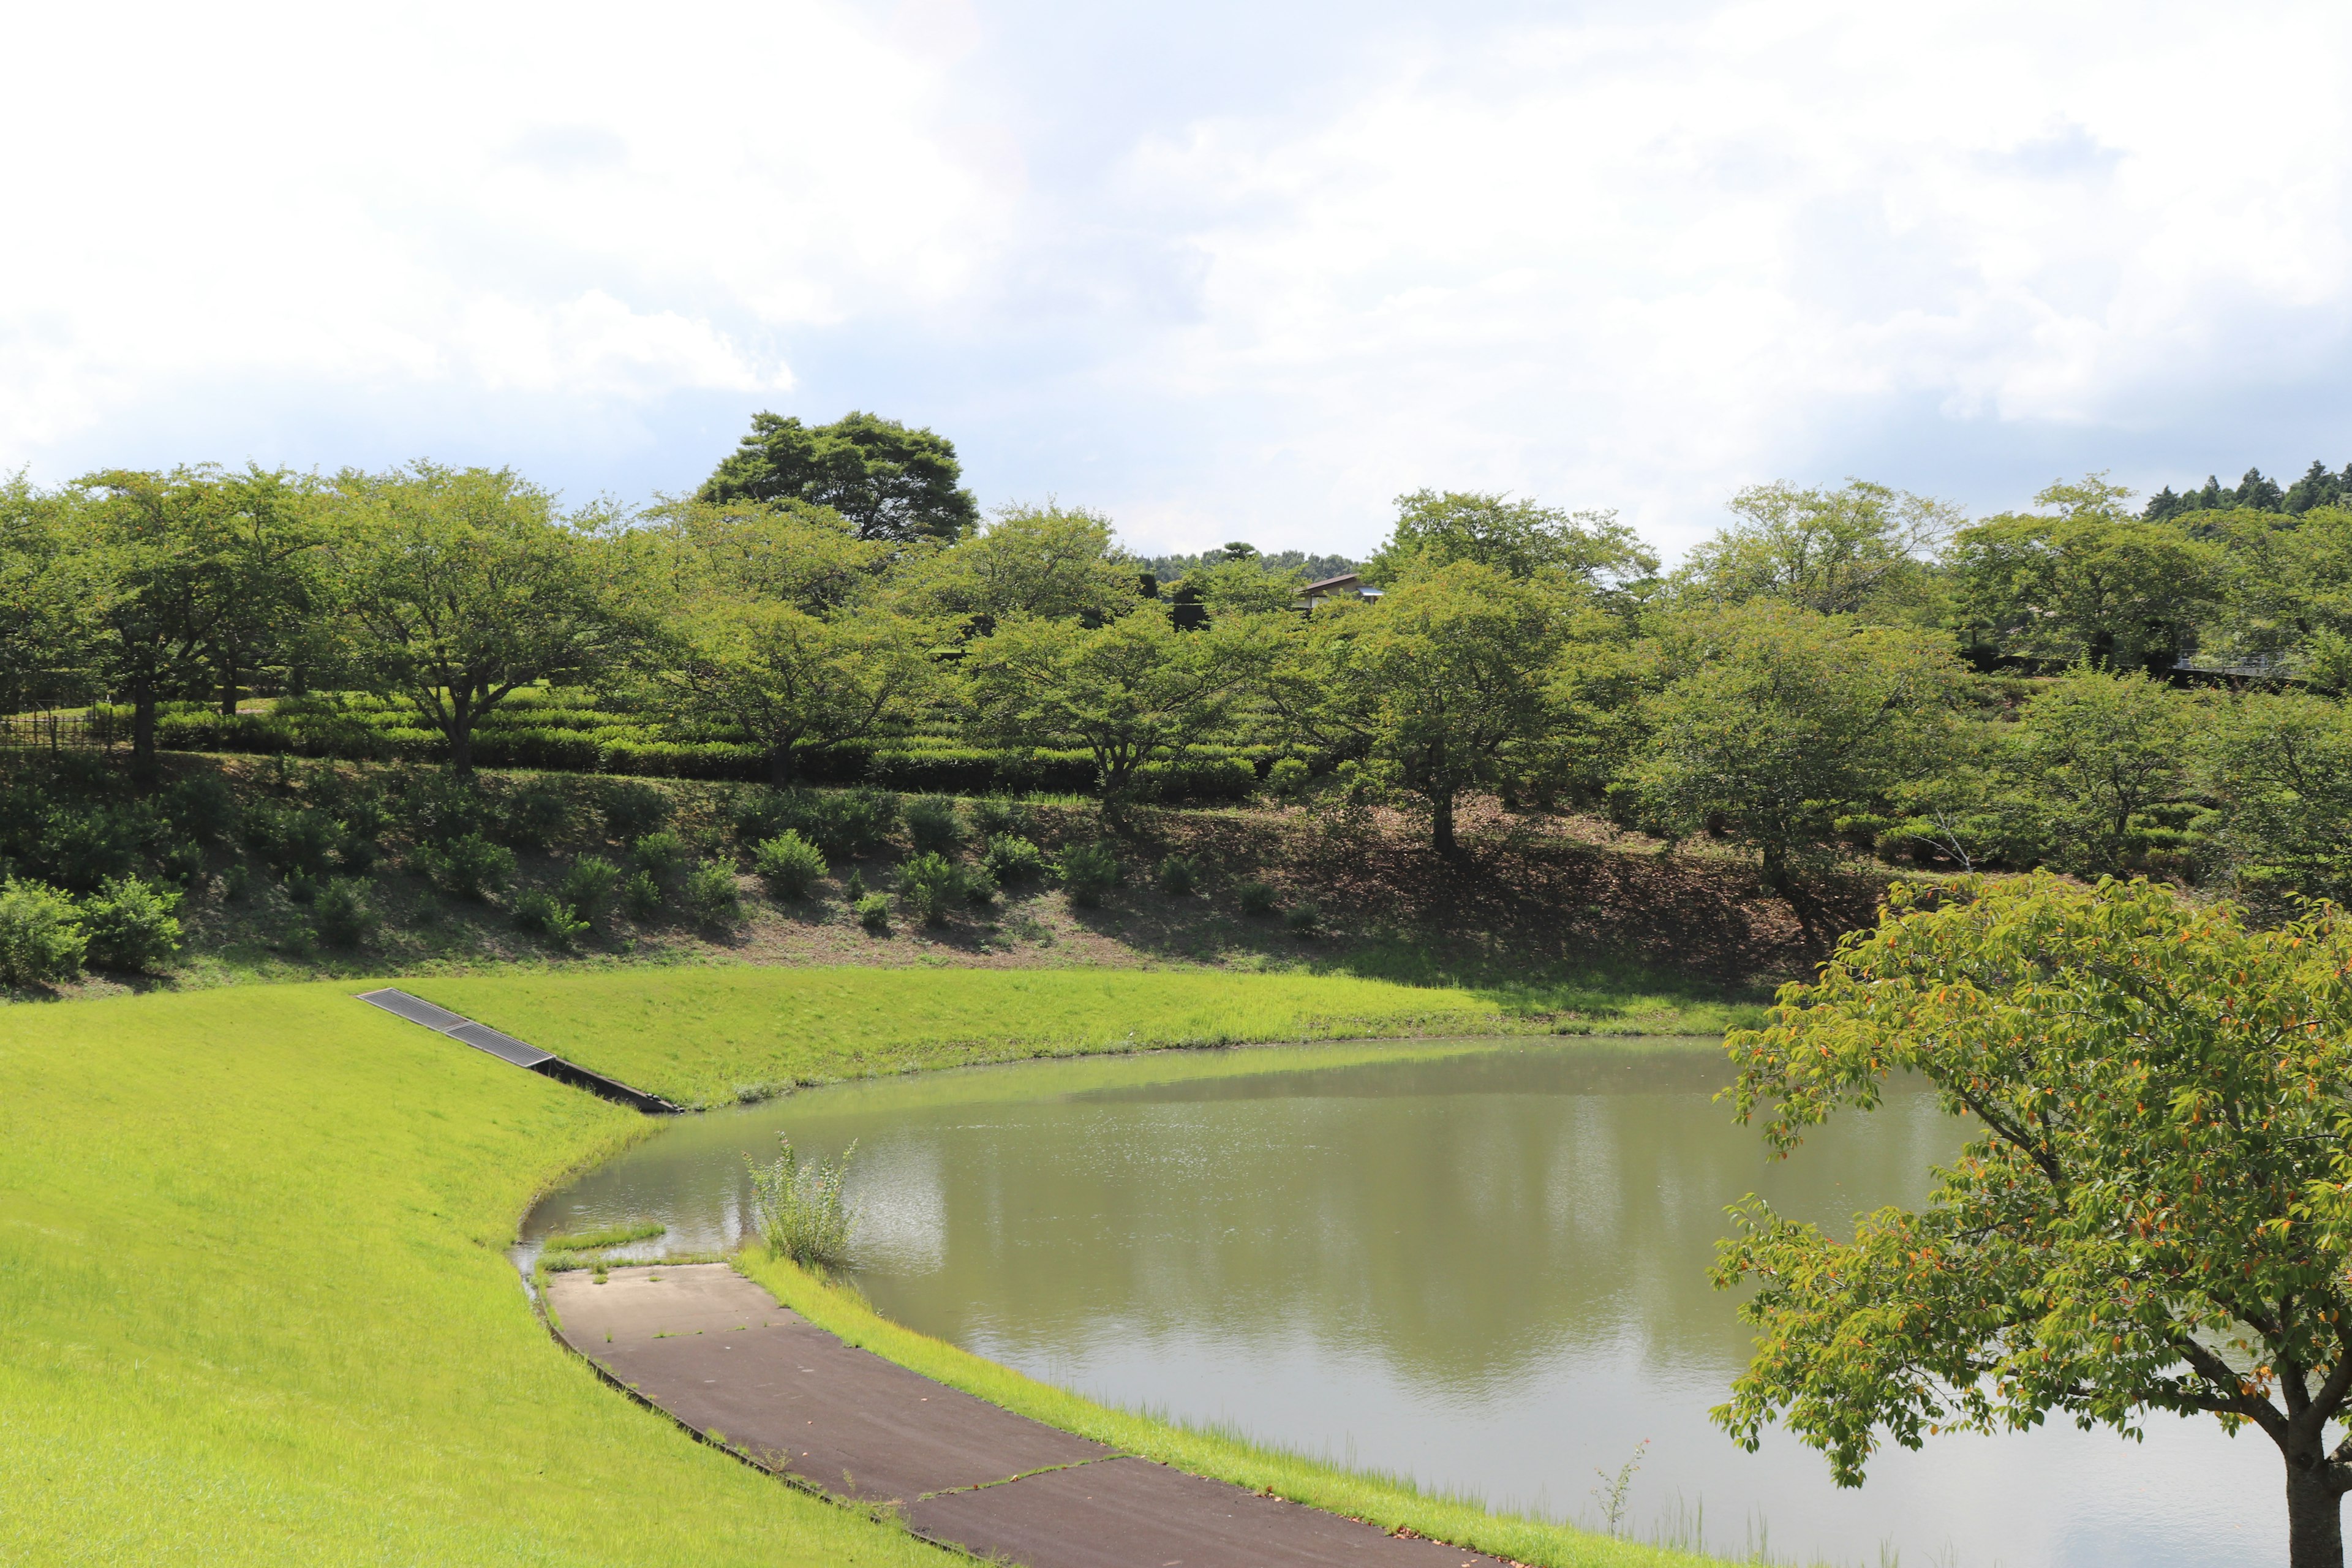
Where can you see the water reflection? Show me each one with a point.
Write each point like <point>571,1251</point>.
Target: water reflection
<point>1483,1267</point>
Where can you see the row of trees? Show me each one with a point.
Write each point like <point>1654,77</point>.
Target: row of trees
<point>1816,675</point>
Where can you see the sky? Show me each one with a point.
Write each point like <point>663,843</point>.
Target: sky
<point>1221,271</point>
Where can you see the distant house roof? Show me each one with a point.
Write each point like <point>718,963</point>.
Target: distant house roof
<point>1329,586</point>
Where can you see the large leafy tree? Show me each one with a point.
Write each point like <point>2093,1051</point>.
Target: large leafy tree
<point>890,481</point>
<point>1518,538</point>
<point>2280,765</point>
<point>1131,691</point>
<point>1445,686</point>
<point>2084,581</point>
<point>2287,591</point>
<point>1050,563</point>
<point>2090,758</point>
<point>1862,549</point>
<point>1773,723</point>
<point>457,586</point>
<point>43,630</point>
<point>2156,1212</point>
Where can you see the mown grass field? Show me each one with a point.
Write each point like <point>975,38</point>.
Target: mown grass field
<point>1387,1501</point>
<point>707,1036</point>
<point>253,1310</point>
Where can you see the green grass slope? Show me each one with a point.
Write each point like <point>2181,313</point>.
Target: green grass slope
<point>253,1310</point>
<point>703,1035</point>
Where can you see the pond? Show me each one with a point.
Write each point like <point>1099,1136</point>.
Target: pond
<point>1480,1265</point>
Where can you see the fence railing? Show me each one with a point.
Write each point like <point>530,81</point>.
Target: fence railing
<point>56,732</point>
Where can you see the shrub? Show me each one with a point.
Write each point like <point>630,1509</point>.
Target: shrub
<point>634,810</point>
<point>292,840</point>
<point>998,814</point>
<point>930,885</point>
<point>202,807</point>
<point>642,897</point>
<point>183,863</point>
<point>1179,875</point>
<point>874,912</point>
<point>1011,860</point>
<point>549,916</point>
<point>850,821</point>
<point>130,925</point>
<point>1089,870</point>
<point>471,867</point>
<point>435,808</point>
<point>757,815</point>
<point>341,913</point>
<point>1257,898</point>
<point>1288,778</point>
<point>789,863</point>
<point>535,816</point>
<point>40,938</point>
<point>236,882</point>
<point>659,854</point>
<point>798,1207</point>
<point>712,896</point>
<point>932,825</point>
<point>589,886</point>
<point>1304,918</point>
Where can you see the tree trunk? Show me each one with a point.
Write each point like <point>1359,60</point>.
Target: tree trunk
<point>781,766</point>
<point>461,749</point>
<point>1440,814</point>
<point>142,726</point>
<point>228,688</point>
<point>2315,1519</point>
<point>1776,868</point>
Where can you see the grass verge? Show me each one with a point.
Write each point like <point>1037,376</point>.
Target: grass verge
<point>1389,1502</point>
<point>252,1307</point>
<point>710,1036</point>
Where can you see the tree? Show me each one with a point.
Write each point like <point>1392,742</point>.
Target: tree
<point>43,631</point>
<point>1050,563</point>
<point>1516,538</point>
<point>2287,591</point>
<point>2156,1213</point>
<point>1775,724</point>
<point>2281,764</point>
<point>1862,549</point>
<point>2087,582</point>
<point>459,585</point>
<point>1130,692</point>
<point>1443,685</point>
<point>892,482</point>
<point>2089,757</point>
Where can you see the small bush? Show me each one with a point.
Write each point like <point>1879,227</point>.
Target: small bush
<point>1089,870</point>
<point>1304,918</point>
<point>548,916</point>
<point>789,863</point>
<point>589,887</point>
<point>634,810</point>
<point>535,816</point>
<point>932,825</point>
<point>659,854</point>
<point>874,912</point>
<point>470,867</point>
<point>202,807</point>
<point>850,822</point>
<point>341,913</point>
<point>41,939</point>
<point>998,814</point>
<point>287,840</point>
<point>1179,875</point>
<point>1257,898</point>
<point>712,896</point>
<point>642,897</point>
<point>930,885</point>
<point>130,925</point>
<point>757,815</point>
<point>799,1209</point>
<point>1288,778</point>
<point>183,863</point>
<point>236,882</point>
<point>436,808</point>
<point>1013,860</point>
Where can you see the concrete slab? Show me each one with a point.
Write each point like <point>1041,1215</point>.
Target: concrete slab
<point>415,1009</point>
<point>722,1355</point>
<point>505,1048</point>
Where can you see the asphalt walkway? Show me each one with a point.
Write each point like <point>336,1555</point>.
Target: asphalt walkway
<point>718,1354</point>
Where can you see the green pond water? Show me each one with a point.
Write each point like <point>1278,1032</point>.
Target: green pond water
<point>1481,1264</point>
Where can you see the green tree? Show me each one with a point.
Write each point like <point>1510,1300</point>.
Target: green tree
<point>2287,591</point>
<point>2281,766</point>
<point>891,481</point>
<point>2085,581</point>
<point>1445,686</point>
<point>1774,723</point>
<point>2089,759</point>
<point>786,551</point>
<point>1131,692</point>
<point>2152,1215</point>
<point>1863,549</point>
<point>1518,538</point>
<point>1050,563</point>
<point>457,587</point>
<point>44,632</point>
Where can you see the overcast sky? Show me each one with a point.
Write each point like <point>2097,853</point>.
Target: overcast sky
<point>1223,269</point>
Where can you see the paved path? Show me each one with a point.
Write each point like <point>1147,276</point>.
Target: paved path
<point>717,1353</point>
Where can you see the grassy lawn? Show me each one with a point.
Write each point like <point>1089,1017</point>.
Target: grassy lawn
<point>1389,1503</point>
<point>253,1310</point>
<point>705,1036</point>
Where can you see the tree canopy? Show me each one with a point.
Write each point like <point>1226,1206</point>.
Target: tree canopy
<point>890,481</point>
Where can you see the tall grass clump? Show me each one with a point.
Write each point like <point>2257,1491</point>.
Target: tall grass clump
<point>799,1208</point>
<point>789,863</point>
